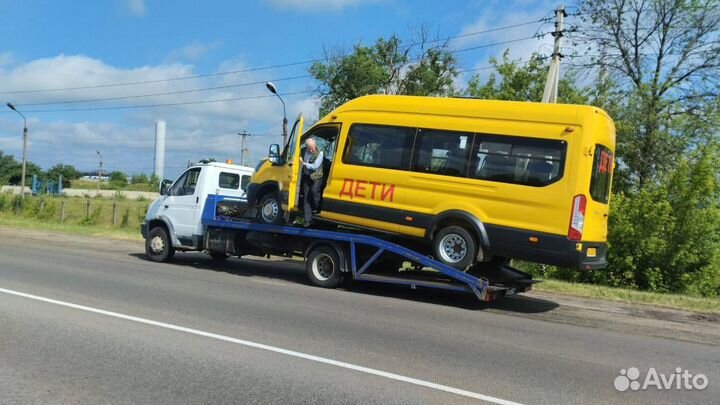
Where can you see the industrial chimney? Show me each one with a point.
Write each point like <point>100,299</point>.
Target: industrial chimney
<point>159,164</point>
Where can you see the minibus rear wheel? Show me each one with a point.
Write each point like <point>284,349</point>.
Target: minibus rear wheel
<point>455,246</point>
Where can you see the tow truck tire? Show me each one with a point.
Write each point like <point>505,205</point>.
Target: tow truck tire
<point>455,246</point>
<point>158,246</point>
<point>270,210</point>
<point>323,267</point>
<point>219,256</point>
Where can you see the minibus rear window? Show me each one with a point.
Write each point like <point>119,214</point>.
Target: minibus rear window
<point>601,174</point>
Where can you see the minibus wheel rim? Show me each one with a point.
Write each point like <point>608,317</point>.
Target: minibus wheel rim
<point>270,210</point>
<point>453,248</point>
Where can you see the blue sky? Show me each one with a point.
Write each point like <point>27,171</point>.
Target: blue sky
<point>61,44</point>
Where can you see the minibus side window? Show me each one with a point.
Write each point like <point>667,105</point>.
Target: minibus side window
<point>517,160</point>
<point>379,146</point>
<point>442,152</point>
<point>601,174</point>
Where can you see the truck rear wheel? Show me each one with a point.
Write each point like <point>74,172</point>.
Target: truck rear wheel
<point>270,211</point>
<point>455,247</point>
<point>158,246</point>
<point>323,267</point>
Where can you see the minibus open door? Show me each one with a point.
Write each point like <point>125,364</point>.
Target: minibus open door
<point>295,166</point>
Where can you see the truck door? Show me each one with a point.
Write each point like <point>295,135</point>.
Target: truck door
<point>295,168</point>
<point>181,204</point>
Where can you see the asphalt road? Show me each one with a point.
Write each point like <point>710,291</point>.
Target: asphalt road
<point>246,331</point>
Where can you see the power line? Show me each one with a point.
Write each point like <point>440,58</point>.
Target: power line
<point>253,69</point>
<point>229,86</point>
<point>128,107</point>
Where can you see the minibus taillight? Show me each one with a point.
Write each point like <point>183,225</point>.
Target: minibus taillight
<point>577,218</point>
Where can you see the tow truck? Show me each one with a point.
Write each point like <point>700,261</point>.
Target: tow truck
<point>205,210</point>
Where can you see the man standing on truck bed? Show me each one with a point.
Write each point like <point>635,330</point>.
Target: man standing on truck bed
<point>312,176</point>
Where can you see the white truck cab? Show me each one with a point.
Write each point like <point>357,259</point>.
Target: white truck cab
<point>173,221</point>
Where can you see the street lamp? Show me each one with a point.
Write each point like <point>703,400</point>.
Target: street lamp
<point>273,89</point>
<point>99,171</point>
<point>25,135</point>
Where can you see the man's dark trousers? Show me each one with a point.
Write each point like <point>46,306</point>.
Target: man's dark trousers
<point>312,191</point>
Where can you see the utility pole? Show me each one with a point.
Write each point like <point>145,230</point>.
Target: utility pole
<point>243,135</point>
<point>24,160</point>
<point>270,86</point>
<point>551,85</point>
<point>99,171</point>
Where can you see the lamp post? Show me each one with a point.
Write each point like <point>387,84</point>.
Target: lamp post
<point>273,89</point>
<point>24,160</point>
<point>99,171</point>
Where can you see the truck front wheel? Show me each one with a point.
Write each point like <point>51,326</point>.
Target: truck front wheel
<point>158,246</point>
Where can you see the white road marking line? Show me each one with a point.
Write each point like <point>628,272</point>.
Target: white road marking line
<point>349,366</point>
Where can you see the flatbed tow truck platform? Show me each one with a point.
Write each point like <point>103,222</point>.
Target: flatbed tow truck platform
<point>335,257</point>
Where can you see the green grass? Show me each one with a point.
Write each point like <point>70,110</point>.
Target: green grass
<point>11,221</point>
<point>673,301</point>
<point>92,185</point>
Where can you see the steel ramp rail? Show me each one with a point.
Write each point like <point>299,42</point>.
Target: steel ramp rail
<point>477,285</point>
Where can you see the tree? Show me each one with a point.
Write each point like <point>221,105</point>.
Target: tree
<point>11,170</point>
<point>206,161</point>
<point>68,173</point>
<point>141,178</point>
<point>118,179</point>
<point>523,83</point>
<point>386,67</point>
<point>9,167</point>
<point>665,56</point>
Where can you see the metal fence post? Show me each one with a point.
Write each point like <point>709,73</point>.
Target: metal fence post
<point>62,212</point>
<point>114,213</point>
<point>87,209</point>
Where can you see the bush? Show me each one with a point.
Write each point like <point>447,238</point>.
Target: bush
<point>43,208</point>
<point>5,202</point>
<point>93,218</point>
<point>125,218</point>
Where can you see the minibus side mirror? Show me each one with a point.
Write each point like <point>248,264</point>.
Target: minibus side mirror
<point>165,186</point>
<point>274,153</point>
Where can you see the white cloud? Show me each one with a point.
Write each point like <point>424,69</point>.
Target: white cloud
<point>6,58</point>
<point>125,137</point>
<point>494,15</point>
<point>193,51</point>
<point>136,7</point>
<point>317,4</point>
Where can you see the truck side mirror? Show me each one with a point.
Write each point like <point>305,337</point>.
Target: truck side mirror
<point>274,153</point>
<point>165,186</point>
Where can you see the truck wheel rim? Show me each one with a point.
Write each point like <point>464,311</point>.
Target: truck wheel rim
<point>270,210</point>
<point>157,245</point>
<point>323,267</point>
<point>453,248</point>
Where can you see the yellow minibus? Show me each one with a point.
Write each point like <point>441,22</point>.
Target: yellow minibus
<point>476,180</point>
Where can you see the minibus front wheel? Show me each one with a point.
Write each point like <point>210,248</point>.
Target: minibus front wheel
<point>270,211</point>
<point>455,246</point>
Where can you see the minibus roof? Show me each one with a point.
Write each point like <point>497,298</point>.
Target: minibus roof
<point>469,107</point>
